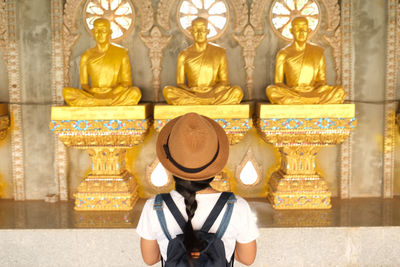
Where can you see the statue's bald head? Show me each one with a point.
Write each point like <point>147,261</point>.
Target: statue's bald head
<point>299,19</point>
<point>199,20</point>
<point>102,21</point>
<point>102,31</point>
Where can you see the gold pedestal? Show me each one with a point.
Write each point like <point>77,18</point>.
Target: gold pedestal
<point>298,131</point>
<point>4,120</point>
<point>105,133</point>
<point>234,119</point>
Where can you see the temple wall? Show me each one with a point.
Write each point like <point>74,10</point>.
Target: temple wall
<point>35,49</point>
<point>369,28</point>
<point>369,33</point>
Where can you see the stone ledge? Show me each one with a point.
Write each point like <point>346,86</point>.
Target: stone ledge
<point>141,111</point>
<point>306,111</point>
<point>346,246</point>
<point>240,111</point>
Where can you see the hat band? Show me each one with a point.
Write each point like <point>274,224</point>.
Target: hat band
<point>183,168</point>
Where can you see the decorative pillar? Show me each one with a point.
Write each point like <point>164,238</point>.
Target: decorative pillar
<point>105,133</point>
<point>298,132</point>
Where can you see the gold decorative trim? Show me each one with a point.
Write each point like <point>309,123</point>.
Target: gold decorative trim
<point>310,132</point>
<point>156,43</point>
<point>249,41</point>
<point>347,82</point>
<point>14,89</point>
<point>89,133</point>
<point>109,186</point>
<point>107,192</point>
<point>256,13</point>
<point>61,163</point>
<point>163,13</point>
<point>146,14</point>
<point>301,192</point>
<point>297,184</point>
<point>4,124</point>
<point>390,95</point>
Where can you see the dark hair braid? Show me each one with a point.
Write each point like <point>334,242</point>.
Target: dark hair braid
<point>188,190</point>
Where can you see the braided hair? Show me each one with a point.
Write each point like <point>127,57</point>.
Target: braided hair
<point>188,190</point>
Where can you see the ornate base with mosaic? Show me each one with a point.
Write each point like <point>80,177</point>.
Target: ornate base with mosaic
<point>298,131</point>
<point>4,120</point>
<point>105,133</point>
<point>236,120</point>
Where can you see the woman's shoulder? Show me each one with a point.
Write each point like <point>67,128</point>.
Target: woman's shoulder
<point>241,202</point>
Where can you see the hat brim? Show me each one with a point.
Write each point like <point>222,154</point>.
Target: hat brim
<point>213,169</point>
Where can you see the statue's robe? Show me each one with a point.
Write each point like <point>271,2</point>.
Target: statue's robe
<point>207,78</point>
<point>304,74</point>
<point>110,75</point>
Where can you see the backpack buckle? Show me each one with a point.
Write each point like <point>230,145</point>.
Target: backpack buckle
<point>232,200</point>
<point>195,254</point>
<point>158,206</point>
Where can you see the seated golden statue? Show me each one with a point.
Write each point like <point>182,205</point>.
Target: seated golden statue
<point>109,70</point>
<point>300,72</point>
<point>205,67</point>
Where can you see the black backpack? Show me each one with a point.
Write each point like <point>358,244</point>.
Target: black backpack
<point>213,254</point>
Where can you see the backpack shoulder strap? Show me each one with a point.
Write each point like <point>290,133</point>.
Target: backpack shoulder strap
<point>158,206</point>
<point>174,210</point>
<point>227,217</point>
<point>223,198</point>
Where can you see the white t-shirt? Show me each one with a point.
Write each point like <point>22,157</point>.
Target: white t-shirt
<point>242,227</point>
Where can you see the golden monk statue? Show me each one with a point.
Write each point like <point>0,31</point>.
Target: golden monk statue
<point>300,72</point>
<point>205,68</point>
<point>109,70</point>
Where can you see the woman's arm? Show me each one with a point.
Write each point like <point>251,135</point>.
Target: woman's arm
<point>150,251</point>
<point>246,252</point>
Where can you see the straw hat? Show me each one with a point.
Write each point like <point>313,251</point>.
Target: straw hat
<point>193,147</point>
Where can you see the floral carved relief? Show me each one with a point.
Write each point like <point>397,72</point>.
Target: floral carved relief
<point>241,10</point>
<point>333,35</point>
<point>163,13</point>
<point>70,33</point>
<point>249,41</point>
<point>3,28</point>
<point>146,15</point>
<point>10,46</point>
<point>156,42</point>
<point>257,10</point>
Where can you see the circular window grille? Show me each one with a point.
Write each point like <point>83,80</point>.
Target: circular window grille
<point>282,13</point>
<point>215,11</point>
<point>119,12</point>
